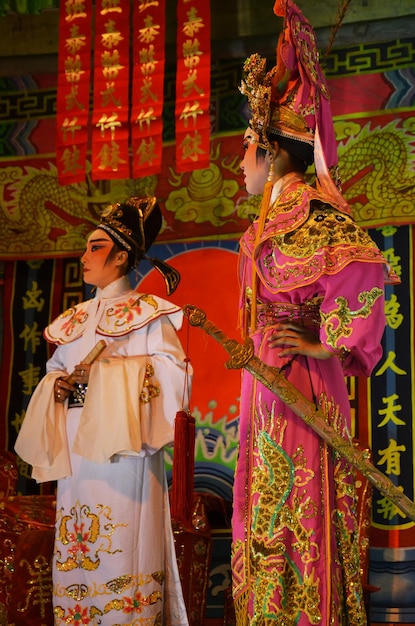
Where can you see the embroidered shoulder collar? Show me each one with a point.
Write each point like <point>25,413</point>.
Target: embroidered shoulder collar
<point>289,211</point>
<point>112,317</point>
<point>292,208</point>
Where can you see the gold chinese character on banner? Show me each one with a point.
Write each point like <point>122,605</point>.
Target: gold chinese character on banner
<point>194,23</point>
<point>391,457</point>
<point>390,411</point>
<point>108,122</point>
<point>110,6</point>
<point>109,94</point>
<point>76,41</point>
<point>32,300</point>
<point>190,111</point>
<point>30,378</point>
<point>146,4</point>
<point>147,61</point>
<point>71,160</point>
<point>31,336</point>
<point>69,127</point>
<point>111,64</point>
<point>144,118</point>
<point>72,100</point>
<point>145,152</point>
<point>109,156</point>
<point>191,53</point>
<point>191,147</point>
<point>190,84</point>
<point>390,364</point>
<point>75,9</point>
<point>73,69</point>
<point>147,91</point>
<point>111,37</point>
<point>150,30</point>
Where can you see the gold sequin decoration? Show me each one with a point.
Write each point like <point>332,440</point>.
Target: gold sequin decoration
<point>150,390</point>
<point>119,584</point>
<point>338,322</point>
<point>83,535</point>
<point>39,585</point>
<point>276,476</point>
<point>283,592</point>
<point>77,592</point>
<point>158,577</point>
<point>325,227</point>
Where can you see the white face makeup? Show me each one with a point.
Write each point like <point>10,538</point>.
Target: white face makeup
<point>97,269</point>
<point>255,170</point>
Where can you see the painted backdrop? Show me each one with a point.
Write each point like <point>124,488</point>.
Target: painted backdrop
<point>43,227</point>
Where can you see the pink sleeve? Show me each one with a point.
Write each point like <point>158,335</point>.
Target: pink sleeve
<point>353,316</point>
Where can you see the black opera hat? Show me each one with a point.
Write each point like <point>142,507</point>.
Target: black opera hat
<point>134,225</point>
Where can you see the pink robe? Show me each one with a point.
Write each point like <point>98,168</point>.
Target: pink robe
<point>295,555</point>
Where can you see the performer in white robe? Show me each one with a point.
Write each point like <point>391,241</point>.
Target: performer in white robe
<point>101,436</point>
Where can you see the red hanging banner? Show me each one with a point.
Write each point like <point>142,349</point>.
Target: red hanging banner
<point>110,120</point>
<point>193,85</point>
<point>72,106</point>
<point>148,86</point>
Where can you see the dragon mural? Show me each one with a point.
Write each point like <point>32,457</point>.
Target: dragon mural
<point>39,217</point>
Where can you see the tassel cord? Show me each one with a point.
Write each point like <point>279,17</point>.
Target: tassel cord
<point>183,457</point>
<point>266,199</point>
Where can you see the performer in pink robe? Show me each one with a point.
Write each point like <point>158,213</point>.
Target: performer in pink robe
<point>312,300</point>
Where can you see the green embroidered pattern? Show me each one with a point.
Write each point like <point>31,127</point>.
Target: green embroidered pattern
<point>274,478</point>
<point>278,578</point>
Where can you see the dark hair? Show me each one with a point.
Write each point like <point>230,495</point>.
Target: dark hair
<point>301,154</point>
<point>260,153</point>
<point>116,248</point>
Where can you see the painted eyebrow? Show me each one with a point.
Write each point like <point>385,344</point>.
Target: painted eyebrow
<point>99,240</point>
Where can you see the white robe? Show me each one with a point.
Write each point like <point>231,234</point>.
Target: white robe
<point>114,560</point>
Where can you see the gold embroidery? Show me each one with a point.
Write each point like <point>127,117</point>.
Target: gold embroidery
<point>338,322</point>
<point>119,584</point>
<point>302,596</point>
<point>135,604</point>
<point>146,297</point>
<point>158,577</point>
<point>39,584</point>
<point>149,390</point>
<point>79,533</point>
<point>291,203</point>
<point>295,252</point>
<point>77,615</point>
<point>273,479</point>
<point>350,558</point>
<point>239,569</point>
<point>77,592</point>
<point>325,227</point>
<point>282,590</point>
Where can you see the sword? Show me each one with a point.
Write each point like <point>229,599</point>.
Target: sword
<point>242,356</point>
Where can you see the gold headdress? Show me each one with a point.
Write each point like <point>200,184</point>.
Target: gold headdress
<point>262,88</point>
<point>291,101</point>
<point>134,225</point>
